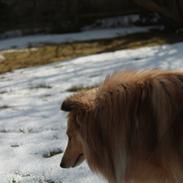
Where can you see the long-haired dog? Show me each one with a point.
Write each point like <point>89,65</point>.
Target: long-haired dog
<point>130,128</point>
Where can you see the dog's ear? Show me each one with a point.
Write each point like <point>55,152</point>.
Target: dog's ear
<point>77,104</point>
<point>82,101</point>
<point>70,104</point>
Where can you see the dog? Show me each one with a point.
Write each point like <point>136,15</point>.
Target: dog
<point>129,128</point>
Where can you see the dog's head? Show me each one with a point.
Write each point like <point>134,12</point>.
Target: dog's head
<point>76,105</point>
<point>73,155</point>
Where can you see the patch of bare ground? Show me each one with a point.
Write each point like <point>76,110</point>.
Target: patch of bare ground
<point>49,53</point>
<point>53,152</point>
<point>78,88</point>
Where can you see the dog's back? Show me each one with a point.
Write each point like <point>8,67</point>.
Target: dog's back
<point>152,104</point>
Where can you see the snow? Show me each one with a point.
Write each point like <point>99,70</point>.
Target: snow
<point>32,124</point>
<point>29,41</point>
<point>113,22</point>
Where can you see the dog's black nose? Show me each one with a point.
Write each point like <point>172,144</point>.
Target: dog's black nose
<point>62,164</point>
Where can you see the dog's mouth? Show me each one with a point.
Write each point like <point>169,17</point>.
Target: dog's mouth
<point>79,160</point>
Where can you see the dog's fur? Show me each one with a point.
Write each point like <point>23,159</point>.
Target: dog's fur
<point>130,129</point>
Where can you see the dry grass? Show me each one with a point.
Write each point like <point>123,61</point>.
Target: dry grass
<point>80,88</point>
<point>49,53</point>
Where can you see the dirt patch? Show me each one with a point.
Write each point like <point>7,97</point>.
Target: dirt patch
<point>52,153</point>
<point>49,53</point>
<point>3,107</point>
<point>14,145</point>
<point>3,92</point>
<point>80,88</point>
<point>40,86</point>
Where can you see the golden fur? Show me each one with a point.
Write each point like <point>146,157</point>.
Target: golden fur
<point>131,127</point>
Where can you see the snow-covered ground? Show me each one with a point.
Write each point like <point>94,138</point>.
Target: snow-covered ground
<point>86,35</point>
<point>31,123</point>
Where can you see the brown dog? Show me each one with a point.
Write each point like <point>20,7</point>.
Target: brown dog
<point>130,129</point>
